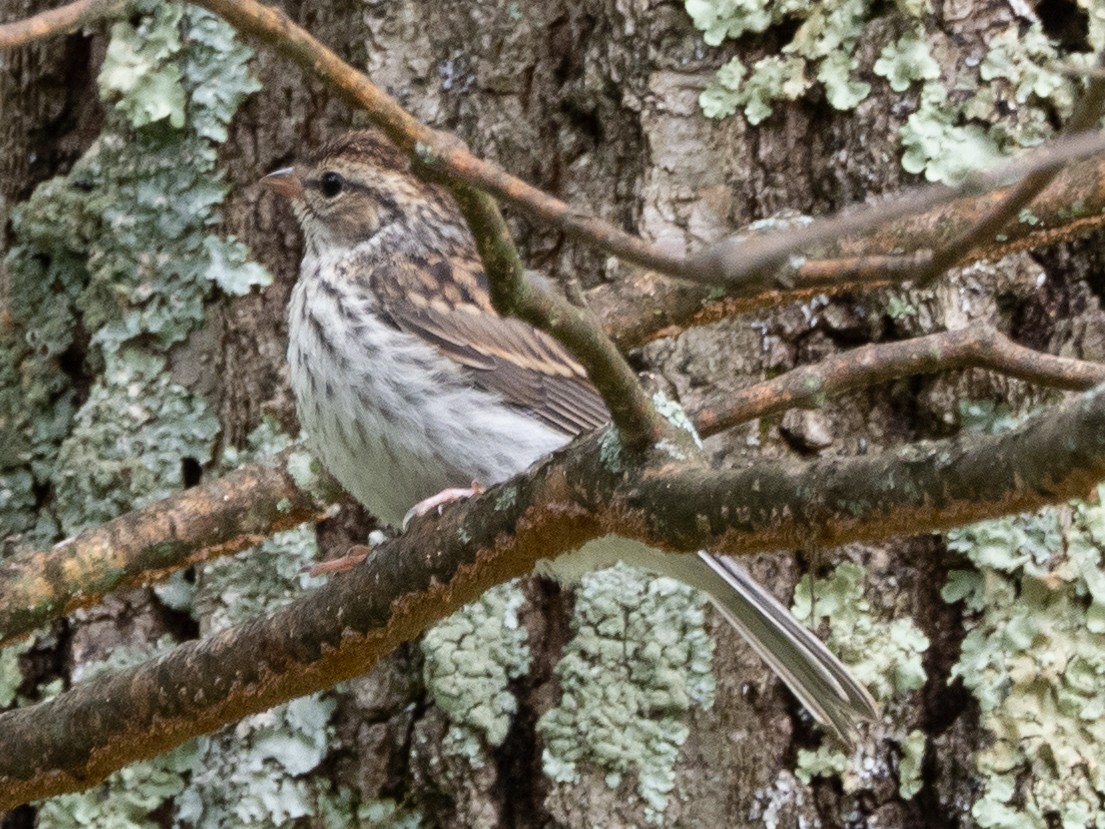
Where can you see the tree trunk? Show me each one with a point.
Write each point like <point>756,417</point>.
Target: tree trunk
<point>540,705</point>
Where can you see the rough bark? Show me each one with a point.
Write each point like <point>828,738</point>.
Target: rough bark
<point>596,101</point>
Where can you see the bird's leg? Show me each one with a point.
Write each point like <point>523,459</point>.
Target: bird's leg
<point>446,496</point>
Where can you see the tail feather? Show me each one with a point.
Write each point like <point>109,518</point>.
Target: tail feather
<point>816,677</point>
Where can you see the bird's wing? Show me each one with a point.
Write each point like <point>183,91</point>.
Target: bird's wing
<point>445,302</point>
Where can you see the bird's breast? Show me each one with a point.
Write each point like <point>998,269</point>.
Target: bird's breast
<point>392,418</point>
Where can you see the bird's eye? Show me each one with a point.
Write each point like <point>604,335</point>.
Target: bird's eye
<point>331,184</point>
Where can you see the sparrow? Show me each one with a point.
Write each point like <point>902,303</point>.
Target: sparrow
<point>409,384</point>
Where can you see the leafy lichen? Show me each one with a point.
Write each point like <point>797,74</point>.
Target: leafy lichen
<point>1033,658</point>
<point>639,660</point>
<point>883,656</point>
<point>113,263</point>
<point>822,47</point>
<point>1001,103</point>
<point>470,660</point>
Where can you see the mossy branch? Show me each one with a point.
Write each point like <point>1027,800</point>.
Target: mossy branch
<point>75,740</point>
<point>226,515</point>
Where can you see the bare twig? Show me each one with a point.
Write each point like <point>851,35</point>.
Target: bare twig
<point>809,386</point>
<point>742,265</point>
<point>1086,116</point>
<point>446,152</point>
<point>747,264</point>
<point>58,21</point>
<point>642,306</point>
<point>344,628</point>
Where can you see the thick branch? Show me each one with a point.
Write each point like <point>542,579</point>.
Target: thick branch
<point>220,518</point>
<point>809,386</point>
<point>58,21</point>
<point>228,514</point>
<point>340,631</point>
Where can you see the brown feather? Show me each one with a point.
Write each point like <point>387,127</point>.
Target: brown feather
<point>524,366</point>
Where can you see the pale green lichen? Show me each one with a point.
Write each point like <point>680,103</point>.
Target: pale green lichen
<point>639,660</point>
<point>909,767</point>
<point>140,71</point>
<point>127,441</point>
<point>338,811</point>
<point>610,450</point>
<point>938,144</point>
<point>1002,103</point>
<point>113,262</point>
<point>822,47</point>
<point>256,773</point>
<point>883,655</point>
<point>907,60</point>
<point>676,415</point>
<point>470,660</point>
<point>11,677</point>
<point>1033,658</point>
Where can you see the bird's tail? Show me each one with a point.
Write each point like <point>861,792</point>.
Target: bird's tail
<point>817,678</point>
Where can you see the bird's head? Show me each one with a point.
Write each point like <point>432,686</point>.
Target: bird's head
<point>354,187</point>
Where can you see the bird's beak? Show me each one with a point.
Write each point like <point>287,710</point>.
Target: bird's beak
<point>286,182</point>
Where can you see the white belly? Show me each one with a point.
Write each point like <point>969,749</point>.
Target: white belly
<point>391,431</point>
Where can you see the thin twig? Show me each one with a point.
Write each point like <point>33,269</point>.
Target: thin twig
<point>58,21</point>
<point>1086,116</point>
<point>742,265</point>
<point>747,264</point>
<point>810,386</point>
<point>446,152</point>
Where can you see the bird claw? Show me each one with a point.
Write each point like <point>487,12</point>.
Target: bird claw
<point>446,496</point>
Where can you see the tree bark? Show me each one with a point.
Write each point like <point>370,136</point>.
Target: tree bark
<point>595,101</point>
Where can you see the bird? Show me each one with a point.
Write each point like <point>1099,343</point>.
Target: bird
<point>409,384</point>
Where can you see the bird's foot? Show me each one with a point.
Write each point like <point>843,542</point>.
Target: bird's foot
<point>357,553</point>
<point>436,502</point>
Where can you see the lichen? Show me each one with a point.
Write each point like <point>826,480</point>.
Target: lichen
<point>1003,102</point>
<point>822,48</point>
<point>11,677</point>
<point>1033,658</point>
<point>127,441</point>
<point>256,773</point>
<point>470,660</point>
<point>639,660</point>
<point>112,264</point>
<point>885,656</point>
<point>906,60</point>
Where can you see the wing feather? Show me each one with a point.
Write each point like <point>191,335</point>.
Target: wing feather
<point>506,356</point>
